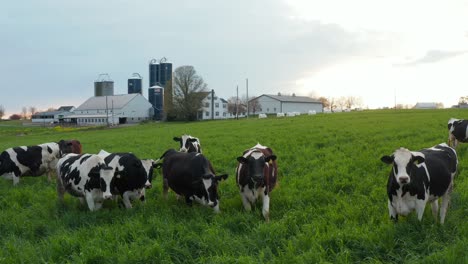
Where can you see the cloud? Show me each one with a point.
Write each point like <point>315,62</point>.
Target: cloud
<point>433,56</point>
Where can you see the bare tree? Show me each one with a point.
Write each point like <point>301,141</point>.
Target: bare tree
<point>169,102</point>
<point>24,112</point>
<point>189,91</point>
<point>32,110</point>
<point>325,102</point>
<point>2,111</point>
<point>254,105</point>
<point>341,102</point>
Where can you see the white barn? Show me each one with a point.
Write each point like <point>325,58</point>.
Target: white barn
<point>56,116</point>
<point>213,108</point>
<point>272,104</point>
<point>113,110</point>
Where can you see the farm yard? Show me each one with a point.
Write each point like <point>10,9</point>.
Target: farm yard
<point>330,204</point>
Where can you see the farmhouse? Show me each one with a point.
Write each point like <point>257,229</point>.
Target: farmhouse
<point>113,109</point>
<point>56,116</point>
<point>272,104</point>
<point>213,107</point>
<point>427,106</point>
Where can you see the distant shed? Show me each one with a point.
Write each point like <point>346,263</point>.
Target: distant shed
<point>272,104</point>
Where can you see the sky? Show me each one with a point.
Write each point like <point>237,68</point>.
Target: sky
<point>384,52</point>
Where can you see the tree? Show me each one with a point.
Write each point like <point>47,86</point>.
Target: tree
<point>254,105</point>
<point>463,100</point>
<point>189,91</point>
<point>169,102</point>
<point>24,112</point>
<point>325,102</point>
<point>32,110</point>
<point>15,117</point>
<point>2,111</point>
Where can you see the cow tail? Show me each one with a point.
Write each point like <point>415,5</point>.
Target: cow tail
<point>162,156</point>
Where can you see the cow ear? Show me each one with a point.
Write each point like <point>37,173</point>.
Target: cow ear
<point>176,138</point>
<point>272,158</point>
<point>192,140</point>
<point>157,165</point>
<point>242,159</point>
<point>221,177</point>
<point>418,157</point>
<point>387,159</point>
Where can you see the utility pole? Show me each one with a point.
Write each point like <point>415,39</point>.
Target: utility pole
<point>107,113</point>
<point>212,104</point>
<point>237,102</point>
<point>247,87</point>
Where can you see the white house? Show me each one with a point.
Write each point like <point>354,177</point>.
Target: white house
<point>213,107</point>
<point>272,104</point>
<point>112,109</point>
<point>56,116</point>
<point>426,105</point>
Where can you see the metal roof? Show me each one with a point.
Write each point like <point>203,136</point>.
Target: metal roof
<point>113,101</point>
<point>294,99</point>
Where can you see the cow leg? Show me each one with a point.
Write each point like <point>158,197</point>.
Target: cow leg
<point>188,200</point>
<point>60,190</point>
<point>445,203</point>
<point>435,208</point>
<point>98,205</point>
<point>15,179</point>
<point>266,205</point>
<point>165,187</point>
<point>90,201</point>
<point>393,213</point>
<point>246,203</point>
<point>420,205</point>
<point>126,200</point>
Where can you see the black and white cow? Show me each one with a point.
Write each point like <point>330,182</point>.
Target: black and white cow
<point>418,177</point>
<point>192,176</point>
<point>132,175</point>
<point>85,176</point>
<point>32,160</point>
<point>189,144</point>
<point>457,131</point>
<point>257,173</point>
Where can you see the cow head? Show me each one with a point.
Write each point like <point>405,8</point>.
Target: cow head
<point>403,162</point>
<point>256,164</point>
<point>210,189</point>
<point>188,143</point>
<point>104,174</point>
<point>149,164</point>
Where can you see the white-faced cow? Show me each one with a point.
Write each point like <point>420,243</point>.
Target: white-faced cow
<point>32,160</point>
<point>457,131</point>
<point>132,175</point>
<point>189,144</point>
<point>85,176</point>
<point>418,177</point>
<point>256,176</point>
<point>192,176</point>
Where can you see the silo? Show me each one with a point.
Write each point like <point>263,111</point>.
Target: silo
<point>165,72</point>
<point>156,98</point>
<point>153,73</point>
<point>135,84</point>
<point>103,86</point>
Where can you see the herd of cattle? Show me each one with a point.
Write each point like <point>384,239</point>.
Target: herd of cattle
<point>417,177</point>
<point>94,178</point>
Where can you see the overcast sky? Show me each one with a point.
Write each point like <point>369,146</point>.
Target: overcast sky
<point>412,51</point>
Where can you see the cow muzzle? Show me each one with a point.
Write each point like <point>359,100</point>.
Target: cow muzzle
<point>403,180</point>
<point>107,196</point>
<point>148,185</point>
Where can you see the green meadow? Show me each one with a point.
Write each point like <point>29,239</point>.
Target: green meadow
<point>330,205</point>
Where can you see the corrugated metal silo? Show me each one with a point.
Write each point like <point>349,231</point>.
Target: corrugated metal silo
<point>135,84</point>
<point>103,86</point>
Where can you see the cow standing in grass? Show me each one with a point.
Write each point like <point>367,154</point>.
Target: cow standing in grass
<point>189,144</point>
<point>132,176</point>
<point>192,176</point>
<point>257,173</point>
<point>418,177</point>
<point>32,160</point>
<point>457,131</point>
<point>85,176</point>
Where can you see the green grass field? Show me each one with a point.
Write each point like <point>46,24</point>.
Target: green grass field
<point>330,205</point>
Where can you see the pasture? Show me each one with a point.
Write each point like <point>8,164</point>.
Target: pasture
<point>330,205</point>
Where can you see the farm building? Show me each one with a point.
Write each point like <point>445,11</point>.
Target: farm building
<point>114,109</point>
<point>56,116</point>
<point>213,107</point>
<point>427,106</point>
<point>271,104</point>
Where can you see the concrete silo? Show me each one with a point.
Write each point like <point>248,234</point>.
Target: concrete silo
<point>103,86</point>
